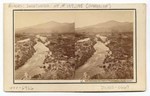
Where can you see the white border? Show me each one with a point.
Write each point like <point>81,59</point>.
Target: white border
<point>146,93</point>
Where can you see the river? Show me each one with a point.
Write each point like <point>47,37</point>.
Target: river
<point>91,67</point>
<point>32,66</point>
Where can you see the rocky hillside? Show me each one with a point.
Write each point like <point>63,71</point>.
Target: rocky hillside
<point>23,51</point>
<point>58,69</point>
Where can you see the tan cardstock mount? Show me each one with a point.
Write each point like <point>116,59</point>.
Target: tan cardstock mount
<point>140,76</point>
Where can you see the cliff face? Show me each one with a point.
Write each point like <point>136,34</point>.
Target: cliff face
<point>84,50</point>
<point>23,51</point>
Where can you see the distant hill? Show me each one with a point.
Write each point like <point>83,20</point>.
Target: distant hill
<point>56,27</point>
<point>49,27</point>
<point>110,26</point>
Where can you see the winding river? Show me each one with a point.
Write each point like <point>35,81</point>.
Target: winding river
<point>32,66</point>
<point>91,67</point>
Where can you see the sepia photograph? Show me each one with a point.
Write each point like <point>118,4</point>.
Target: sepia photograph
<point>74,45</point>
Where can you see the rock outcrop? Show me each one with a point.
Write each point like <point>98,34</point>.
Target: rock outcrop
<point>83,51</point>
<point>23,51</point>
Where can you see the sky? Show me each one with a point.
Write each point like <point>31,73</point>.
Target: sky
<point>81,18</point>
